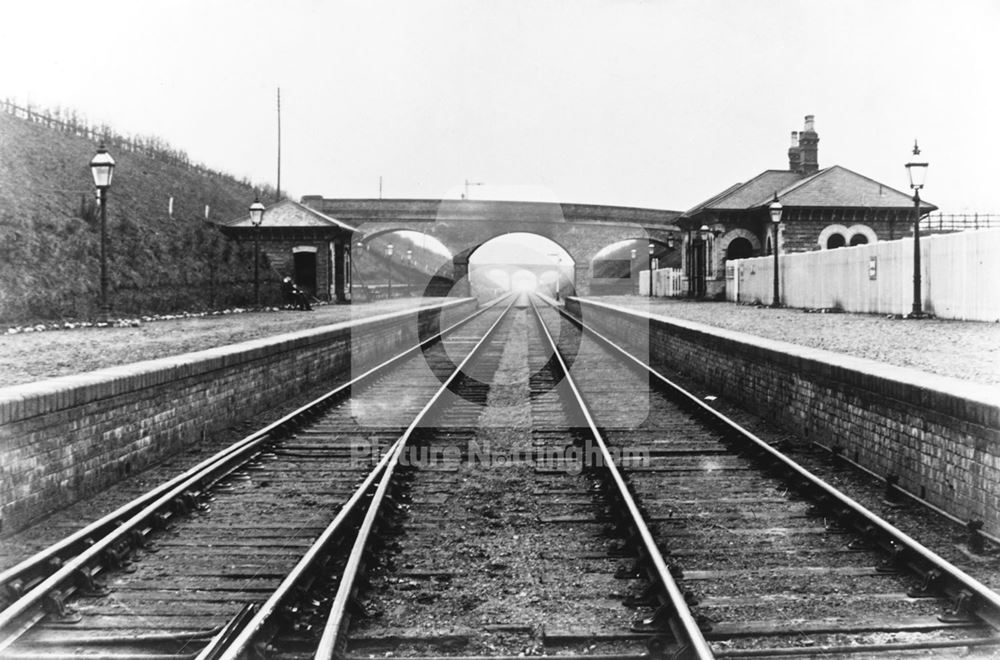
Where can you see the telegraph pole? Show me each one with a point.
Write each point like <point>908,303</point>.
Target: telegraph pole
<point>279,147</point>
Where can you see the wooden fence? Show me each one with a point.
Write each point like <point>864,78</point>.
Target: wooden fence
<point>959,276</point>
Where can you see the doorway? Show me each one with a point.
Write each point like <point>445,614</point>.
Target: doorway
<point>305,271</point>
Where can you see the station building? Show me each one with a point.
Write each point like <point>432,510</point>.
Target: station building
<point>823,209</point>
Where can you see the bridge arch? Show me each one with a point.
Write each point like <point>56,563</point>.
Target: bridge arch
<point>529,260</point>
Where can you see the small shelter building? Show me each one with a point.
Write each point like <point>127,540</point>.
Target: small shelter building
<point>311,247</point>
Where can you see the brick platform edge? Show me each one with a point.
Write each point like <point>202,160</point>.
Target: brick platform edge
<point>941,435</point>
<point>64,438</point>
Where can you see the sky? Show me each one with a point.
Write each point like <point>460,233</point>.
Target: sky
<point>648,104</point>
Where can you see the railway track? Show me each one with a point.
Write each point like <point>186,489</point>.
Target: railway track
<point>774,562</point>
<point>167,573</point>
<point>496,512</point>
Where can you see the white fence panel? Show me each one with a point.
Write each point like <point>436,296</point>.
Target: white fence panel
<point>666,282</point>
<point>959,275</point>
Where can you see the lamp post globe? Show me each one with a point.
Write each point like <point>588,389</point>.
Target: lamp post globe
<point>775,208</point>
<point>102,168</point>
<point>916,169</point>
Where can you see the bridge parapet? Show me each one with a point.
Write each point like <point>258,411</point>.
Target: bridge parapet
<point>428,210</point>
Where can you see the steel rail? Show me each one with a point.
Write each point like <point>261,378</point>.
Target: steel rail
<point>988,601</point>
<point>242,645</point>
<point>247,636</point>
<point>992,538</point>
<point>683,624</point>
<point>146,506</point>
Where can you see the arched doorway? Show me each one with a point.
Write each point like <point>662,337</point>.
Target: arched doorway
<point>739,248</point>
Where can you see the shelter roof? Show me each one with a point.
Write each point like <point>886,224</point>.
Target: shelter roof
<point>290,214</point>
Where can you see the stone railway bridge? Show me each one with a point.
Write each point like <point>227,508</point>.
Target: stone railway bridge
<point>463,226</point>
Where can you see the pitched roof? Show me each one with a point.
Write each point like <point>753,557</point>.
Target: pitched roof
<point>289,213</point>
<point>840,187</point>
<point>754,192</point>
<point>834,186</point>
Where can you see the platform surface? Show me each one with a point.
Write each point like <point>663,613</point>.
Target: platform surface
<point>30,356</point>
<point>967,350</point>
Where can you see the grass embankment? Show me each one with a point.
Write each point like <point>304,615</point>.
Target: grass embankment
<point>50,231</point>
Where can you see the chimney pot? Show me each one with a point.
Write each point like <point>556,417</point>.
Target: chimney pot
<point>795,138</point>
<point>809,124</point>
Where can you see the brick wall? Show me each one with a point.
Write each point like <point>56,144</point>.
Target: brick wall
<point>282,259</point>
<point>64,438</point>
<point>940,435</point>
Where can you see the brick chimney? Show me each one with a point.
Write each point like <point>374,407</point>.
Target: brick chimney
<point>809,148</point>
<point>795,153</point>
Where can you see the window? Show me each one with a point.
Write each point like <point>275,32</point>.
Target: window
<point>835,241</point>
<point>859,239</point>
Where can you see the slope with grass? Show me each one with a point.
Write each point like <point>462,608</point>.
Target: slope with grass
<point>158,262</point>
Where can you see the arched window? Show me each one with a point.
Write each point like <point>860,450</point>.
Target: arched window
<point>739,248</point>
<point>859,239</point>
<point>835,241</point>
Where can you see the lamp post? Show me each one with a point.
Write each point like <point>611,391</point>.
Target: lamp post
<point>256,217</point>
<point>651,248</point>
<point>775,210</point>
<point>388,252</point>
<point>409,277</point>
<point>102,168</point>
<point>918,173</point>
<point>631,268</point>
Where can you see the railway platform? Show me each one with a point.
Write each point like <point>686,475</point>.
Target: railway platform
<point>967,350</point>
<point>522,484</point>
